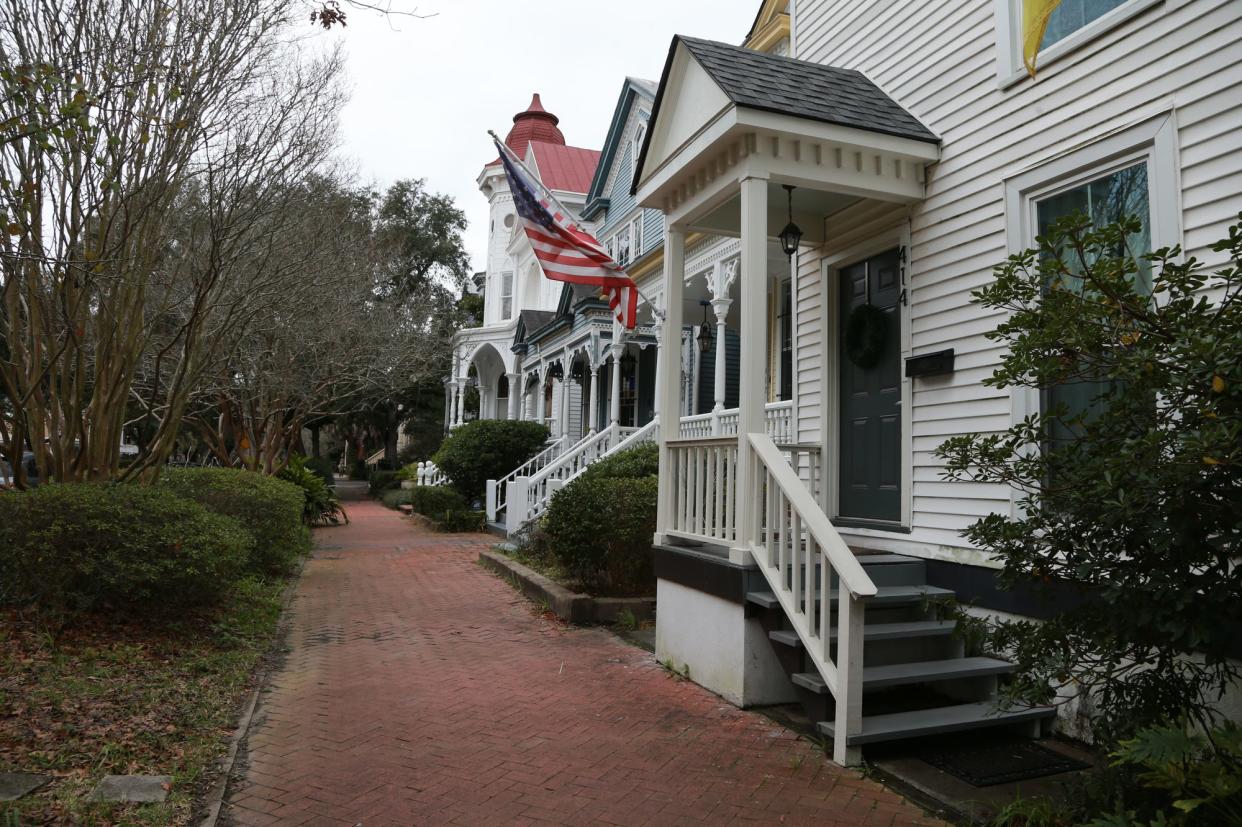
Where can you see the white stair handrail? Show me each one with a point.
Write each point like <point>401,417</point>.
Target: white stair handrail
<point>792,539</point>
<point>497,490</point>
<point>544,484</point>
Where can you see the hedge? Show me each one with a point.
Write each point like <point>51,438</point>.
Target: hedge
<point>269,508</point>
<point>81,546</point>
<point>487,449</point>
<point>441,504</point>
<point>598,528</point>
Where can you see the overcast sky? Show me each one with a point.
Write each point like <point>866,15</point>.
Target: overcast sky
<point>425,92</point>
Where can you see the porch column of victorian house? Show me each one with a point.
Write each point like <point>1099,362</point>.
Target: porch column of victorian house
<point>515,394</point>
<point>668,389</point>
<point>566,378</point>
<point>450,388</point>
<point>724,277</point>
<point>614,388</point>
<point>752,292</point>
<point>461,401</point>
<point>593,395</point>
<point>540,412</point>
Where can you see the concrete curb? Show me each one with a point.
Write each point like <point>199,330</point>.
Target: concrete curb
<point>572,607</point>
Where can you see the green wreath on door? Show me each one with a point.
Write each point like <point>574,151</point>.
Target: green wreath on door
<point>866,335</point>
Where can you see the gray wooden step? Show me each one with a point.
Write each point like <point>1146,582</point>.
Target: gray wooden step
<point>901,674</point>
<point>899,725</point>
<point>881,631</point>
<point>884,596</point>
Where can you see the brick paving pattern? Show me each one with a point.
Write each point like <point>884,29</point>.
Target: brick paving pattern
<point>420,689</point>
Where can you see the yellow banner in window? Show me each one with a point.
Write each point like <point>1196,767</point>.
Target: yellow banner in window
<point>1035,14</point>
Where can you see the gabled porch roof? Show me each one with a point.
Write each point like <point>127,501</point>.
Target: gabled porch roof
<point>724,113</point>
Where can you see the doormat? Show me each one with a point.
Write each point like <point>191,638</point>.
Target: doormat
<point>986,764</point>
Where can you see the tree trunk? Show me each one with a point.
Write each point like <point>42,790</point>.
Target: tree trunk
<point>314,431</point>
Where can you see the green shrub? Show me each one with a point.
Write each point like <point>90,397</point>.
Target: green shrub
<point>80,546</point>
<point>382,481</point>
<point>487,449</point>
<point>598,528</point>
<point>460,520</point>
<point>269,508</point>
<point>324,467</point>
<point>396,497</point>
<point>633,463</point>
<point>320,505</point>
<point>432,500</point>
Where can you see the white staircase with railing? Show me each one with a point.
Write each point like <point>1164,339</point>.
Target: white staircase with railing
<point>527,498</point>
<point>498,490</point>
<point>823,600</point>
<point>429,474</point>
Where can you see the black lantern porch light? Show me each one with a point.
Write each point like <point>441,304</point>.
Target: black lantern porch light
<point>792,234</point>
<point>705,330</point>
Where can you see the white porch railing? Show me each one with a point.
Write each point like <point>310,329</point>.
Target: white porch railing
<point>498,490</point>
<point>374,459</point>
<point>429,474</point>
<point>528,497</point>
<point>702,475</point>
<point>809,567</point>
<point>777,415</point>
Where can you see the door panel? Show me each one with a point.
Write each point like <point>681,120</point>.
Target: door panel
<point>870,434</point>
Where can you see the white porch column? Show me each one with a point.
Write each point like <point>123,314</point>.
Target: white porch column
<point>594,398</point>
<point>515,394</point>
<point>752,291</point>
<point>614,404</point>
<point>450,402</point>
<point>669,386</point>
<point>720,306</point>
<point>659,338</point>
<point>566,366</point>
<point>539,391</point>
<point>461,401</point>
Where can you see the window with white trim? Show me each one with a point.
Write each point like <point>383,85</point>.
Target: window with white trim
<point>506,294</point>
<point>636,235</point>
<point>1129,173</point>
<point>636,142</point>
<point>1073,24</point>
<point>622,243</point>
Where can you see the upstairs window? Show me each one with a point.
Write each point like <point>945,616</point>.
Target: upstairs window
<point>506,294</point>
<point>1074,23</point>
<point>636,143</point>
<point>636,235</point>
<point>622,244</point>
<point>1073,15</point>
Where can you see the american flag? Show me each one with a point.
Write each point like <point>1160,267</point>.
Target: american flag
<point>565,251</point>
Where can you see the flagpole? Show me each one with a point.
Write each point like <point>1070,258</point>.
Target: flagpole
<point>504,148</point>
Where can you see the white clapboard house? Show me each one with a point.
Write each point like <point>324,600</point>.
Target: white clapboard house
<point>919,153</point>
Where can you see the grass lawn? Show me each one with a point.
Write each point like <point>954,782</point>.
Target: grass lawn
<point>158,698</point>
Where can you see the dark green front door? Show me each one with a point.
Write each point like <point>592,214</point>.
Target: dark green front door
<point>870,438</point>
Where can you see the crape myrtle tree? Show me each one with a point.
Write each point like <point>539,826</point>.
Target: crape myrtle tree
<point>118,118</point>
<point>1128,480</point>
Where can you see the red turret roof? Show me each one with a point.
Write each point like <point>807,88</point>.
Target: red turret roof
<point>535,124</point>
<point>561,167</point>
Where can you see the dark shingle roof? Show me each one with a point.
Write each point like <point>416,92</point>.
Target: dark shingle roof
<point>806,90</point>
<point>532,320</point>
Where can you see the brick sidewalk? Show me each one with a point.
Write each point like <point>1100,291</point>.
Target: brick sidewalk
<point>420,689</point>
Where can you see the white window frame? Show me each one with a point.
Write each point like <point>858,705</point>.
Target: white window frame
<point>506,279</point>
<point>636,236</point>
<point>1154,141</point>
<point>636,141</point>
<point>616,238</point>
<point>1010,70</point>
